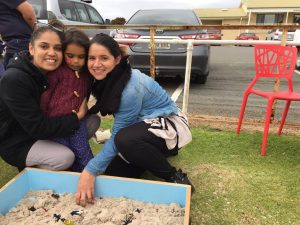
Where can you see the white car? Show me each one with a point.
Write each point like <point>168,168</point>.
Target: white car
<point>276,34</point>
<point>69,12</point>
<point>297,38</point>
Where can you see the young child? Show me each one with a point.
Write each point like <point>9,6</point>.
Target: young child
<point>69,85</point>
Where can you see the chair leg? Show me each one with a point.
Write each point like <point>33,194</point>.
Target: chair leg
<point>285,112</point>
<point>242,111</point>
<point>266,126</point>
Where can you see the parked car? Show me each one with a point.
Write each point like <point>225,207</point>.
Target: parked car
<point>69,12</point>
<point>170,59</point>
<point>297,38</point>
<point>247,36</point>
<point>214,34</point>
<point>276,35</point>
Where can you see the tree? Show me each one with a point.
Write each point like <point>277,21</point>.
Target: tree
<point>118,21</point>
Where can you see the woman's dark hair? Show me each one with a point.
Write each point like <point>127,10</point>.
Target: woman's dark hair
<point>78,37</point>
<point>43,29</point>
<point>109,43</point>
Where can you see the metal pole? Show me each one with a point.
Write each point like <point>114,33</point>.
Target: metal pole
<point>187,78</point>
<point>152,53</point>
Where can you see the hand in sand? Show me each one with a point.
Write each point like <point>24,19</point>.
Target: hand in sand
<point>85,189</point>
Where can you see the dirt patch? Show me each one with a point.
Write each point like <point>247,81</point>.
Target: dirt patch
<point>222,181</point>
<point>248,219</point>
<point>230,123</point>
<point>248,125</point>
<point>221,178</point>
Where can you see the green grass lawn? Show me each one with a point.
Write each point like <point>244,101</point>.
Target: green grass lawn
<point>234,184</point>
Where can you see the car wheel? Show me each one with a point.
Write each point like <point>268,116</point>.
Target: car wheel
<point>200,78</point>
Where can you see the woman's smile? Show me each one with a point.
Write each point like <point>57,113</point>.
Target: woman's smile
<point>100,61</point>
<point>47,51</point>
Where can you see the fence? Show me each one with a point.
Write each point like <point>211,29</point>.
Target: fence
<point>191,43</point>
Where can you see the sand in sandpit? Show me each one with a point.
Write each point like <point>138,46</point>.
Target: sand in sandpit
<point>39,207</point>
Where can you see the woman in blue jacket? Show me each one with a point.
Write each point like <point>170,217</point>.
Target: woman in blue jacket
<point>148,126</point>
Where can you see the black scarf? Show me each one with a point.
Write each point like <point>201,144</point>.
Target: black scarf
<point>108,91</point>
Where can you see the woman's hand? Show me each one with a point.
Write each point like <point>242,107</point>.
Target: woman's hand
<point>82,110</point>
<point>85,189</point>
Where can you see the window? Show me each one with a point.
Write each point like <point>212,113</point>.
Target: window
<point>39,8</point>
<point>296,19</point>
<point>247,34</point>
<point>83,15</point>
<point>176,17</point>
<point>67,9</point>
<point>94,15</point>
<point>269,18</point>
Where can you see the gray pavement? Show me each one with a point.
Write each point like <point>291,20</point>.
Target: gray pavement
<point>232,69</point>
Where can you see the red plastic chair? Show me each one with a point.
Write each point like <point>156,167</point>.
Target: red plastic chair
<point>272,61</point>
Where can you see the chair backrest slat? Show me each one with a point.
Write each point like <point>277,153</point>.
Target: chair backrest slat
<point>275,61</point>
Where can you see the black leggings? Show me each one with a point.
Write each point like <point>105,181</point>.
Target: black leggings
<point>143,150</point>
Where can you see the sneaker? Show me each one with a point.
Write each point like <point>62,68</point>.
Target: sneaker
<point>181,178</point>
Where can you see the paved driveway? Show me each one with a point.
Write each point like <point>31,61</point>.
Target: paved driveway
<point>232,69</point>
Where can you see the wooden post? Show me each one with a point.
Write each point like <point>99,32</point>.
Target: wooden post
<point>277,80</point>
<point>152,53</point>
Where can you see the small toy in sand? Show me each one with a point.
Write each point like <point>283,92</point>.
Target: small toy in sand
<point>56,196</point>
<point>76,212</point>
<point>67,222</point>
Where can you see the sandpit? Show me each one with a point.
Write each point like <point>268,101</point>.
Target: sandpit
<point>47,207</point>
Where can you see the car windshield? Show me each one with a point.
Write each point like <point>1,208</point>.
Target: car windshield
<point>248,34</point>
<point>40,8</point>
<point>177,17</point>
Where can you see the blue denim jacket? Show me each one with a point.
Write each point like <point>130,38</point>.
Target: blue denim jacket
<point>142,98</point>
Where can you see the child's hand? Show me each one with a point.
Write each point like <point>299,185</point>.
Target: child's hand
<point>82,110</point>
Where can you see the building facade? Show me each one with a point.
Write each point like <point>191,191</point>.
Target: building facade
<point>252,12</point>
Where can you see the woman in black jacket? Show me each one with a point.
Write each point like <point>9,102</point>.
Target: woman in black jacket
<point>24,130</point>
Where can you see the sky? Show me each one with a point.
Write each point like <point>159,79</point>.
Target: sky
<point>110,9</point>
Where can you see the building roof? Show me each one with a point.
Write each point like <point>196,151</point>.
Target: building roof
<point>254,4</point>
<point>220,13</point>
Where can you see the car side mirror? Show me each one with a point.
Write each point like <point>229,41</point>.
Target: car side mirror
<point>107,21</point>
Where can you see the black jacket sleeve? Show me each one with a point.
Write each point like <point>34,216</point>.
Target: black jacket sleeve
<point>21,96</point>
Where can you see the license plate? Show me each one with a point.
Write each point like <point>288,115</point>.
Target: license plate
<point>161,45</point>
